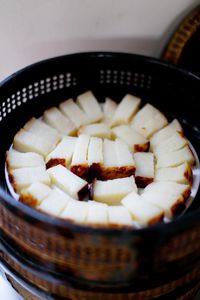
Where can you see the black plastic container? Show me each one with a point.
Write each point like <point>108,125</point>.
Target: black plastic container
<point>45,256</point>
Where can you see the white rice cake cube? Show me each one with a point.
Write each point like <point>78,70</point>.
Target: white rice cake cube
<point>119,216</point>
<point>90,106</point>
<point>109,169</point>
<point>126,109</point>
<point>109,154</point>
<point>118,161</point>
<point>169,196</point>
<point>180,174</point>
<point>15,159</point>
<point>109,108</point>
<point>169,203</point>
<point>79,164</point>
<point>142,212</point>
<point>148,120</point>
<point>95,151</point>
<point>70,109</point>
<point>140,191</point>
<point>173,143</point>
<point>41,129</point>
<point>81,149</point>
<point>113,191</point>
<point>54,203</point>
<point>176,158</point>
<point>175,124</point>
<point>168,187</point>
<point>35,193</point>
<point>23,177</point>
<point>76,211</point>
<point>100,130</point>
<point>60,122</point>
<point>95,158</point>
<point>124,156</point>
<point>144,162</point>
<point>165,133</point>
<point>63,152</point>
<point>25,141</point>
<point>97,213</point>
<point>136,141</point>
<point>68,181</point>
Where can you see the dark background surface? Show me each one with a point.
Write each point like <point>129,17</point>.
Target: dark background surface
<point>190,58</point>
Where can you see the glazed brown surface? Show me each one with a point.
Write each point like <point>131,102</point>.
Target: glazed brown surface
<point>28,199</point>
<point>55,161</point>
<point>157,219</point>
<point>141,148</point>
<point>80,170</point>
<point>116,172</point>
<point>188,175</point>
<point>143,181</point>
<point>66,291</point>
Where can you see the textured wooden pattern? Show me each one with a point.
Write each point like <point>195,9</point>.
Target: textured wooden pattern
<point>27,295</point>
<point>99,257</point>
<point>188,242</point>
<point>182,35</point>
<point>61,289</point>
<point>95,259</point>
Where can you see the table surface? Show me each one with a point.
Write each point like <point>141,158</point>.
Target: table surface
<point>6,291</point>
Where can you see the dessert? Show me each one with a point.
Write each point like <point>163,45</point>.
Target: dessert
<point>95,157</point>
<point>101,130</point>
<point>76,211</point>
<point>79,164</point>
<point>142,211</point>
<point>68,181</point>
<point>144,162</point>
<point>114,190</point>
<point>26,141</point>
<point>97,213</point>
<point>165,133</point>
<point>180,174</point>
<point>15,159</point>
<point>23,177</point>
<point>63,152</point>
<point>148,120</point>
<point>109,108</point>
<point>110,165</point>
<point>70,109</point>
<point>174,158</point>
<point>90,106</point>
<point>40,128</point>
<point>54,203</point>
<point>59,121</point>
<point>119,215</point>
<point>135,140</point>
<point>35,193</point>
<point>125,160</point>
<point>126,110</point>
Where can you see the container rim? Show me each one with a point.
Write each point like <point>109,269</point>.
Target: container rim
<point>32,215</point>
